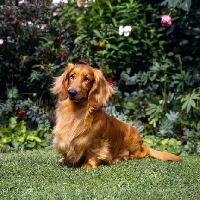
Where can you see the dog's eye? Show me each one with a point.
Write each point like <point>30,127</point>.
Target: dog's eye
<point>86,79</point>
<point>71,76</point>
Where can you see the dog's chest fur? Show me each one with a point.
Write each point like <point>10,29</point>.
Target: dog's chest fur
<point>73,131</point>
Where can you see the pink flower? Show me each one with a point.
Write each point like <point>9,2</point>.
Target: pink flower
<point>166,20</point>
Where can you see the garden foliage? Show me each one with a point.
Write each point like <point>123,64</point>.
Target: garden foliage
<point>155,68</point>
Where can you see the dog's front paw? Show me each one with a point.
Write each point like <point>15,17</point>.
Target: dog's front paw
<point>88,166</point>
<point>62,161</point>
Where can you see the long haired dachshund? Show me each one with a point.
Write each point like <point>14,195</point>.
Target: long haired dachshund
<point>84,132</point>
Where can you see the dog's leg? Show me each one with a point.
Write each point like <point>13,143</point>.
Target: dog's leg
<point>100,154</point>
<point>62,161</point>
<point>143,152</point>
<point>91,162</point>
<point>124,155</point>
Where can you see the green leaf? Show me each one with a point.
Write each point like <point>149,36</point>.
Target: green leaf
<point>165,141</point>
<point>12,93</point>
<point>6,147</point>
<point>164,3</point>
<point>97,33</point>
<point>148,141</point>
<point>128,70</point>
<point>170,30</point>
<point>172,142</point>
<point>192,102</point>
<point>22,126</point>
<point>30,137</point>
<point>31,144</point>
<point>189,101</point>
<point>114,22</point>
<point>109,4</point>
<point>35,66</point>
<point>153,122</point>
<point>33,137</point>
<point>172,116</point>
<point>5,140</point>
<point>125,77</point>
<point>186,5</point>
<point>185,105</point>
<point>173,3</point>
<point>183,42</point>
<point>21,138</point>
<point>78,39</point>
<point>15,144</point>
<point>12,122</point>
<point>170,53</point>
<point>37,139</point>
<point>150,111</point>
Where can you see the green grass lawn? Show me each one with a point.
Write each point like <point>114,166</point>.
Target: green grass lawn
<point>37,175</point>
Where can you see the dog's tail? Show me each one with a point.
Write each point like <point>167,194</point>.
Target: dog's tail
<point>162,155</point>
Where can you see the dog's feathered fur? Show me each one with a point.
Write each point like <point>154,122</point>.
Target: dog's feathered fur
<point>84,131</point>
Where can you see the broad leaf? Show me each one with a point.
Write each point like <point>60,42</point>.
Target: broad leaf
<point>173,3</point>
<point>186,5</point>
<point>170,30</point>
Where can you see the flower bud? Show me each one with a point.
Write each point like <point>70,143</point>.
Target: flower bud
<point>166,20</point>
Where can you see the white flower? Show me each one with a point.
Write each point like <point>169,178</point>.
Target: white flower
<point>125,30</point>
<point>30,23</point>
<point>55,14</point>
<point>42,26</point>
<point>21,2</point>
<point>10,40</point>
<point>1,41</point>
<point>55,2</point>
<point>121,30</point>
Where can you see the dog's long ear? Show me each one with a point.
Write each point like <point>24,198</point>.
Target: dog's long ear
<point>60,84</point>
<point>101,90</point>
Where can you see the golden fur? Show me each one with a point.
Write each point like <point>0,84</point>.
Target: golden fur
<point>84,132</point>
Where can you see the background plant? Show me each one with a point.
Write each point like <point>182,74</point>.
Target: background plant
<point>167,107</point>
<point>16,137</point>
<point>24,124</point>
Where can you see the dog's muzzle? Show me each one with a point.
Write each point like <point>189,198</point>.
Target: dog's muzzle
<point>72,93</point>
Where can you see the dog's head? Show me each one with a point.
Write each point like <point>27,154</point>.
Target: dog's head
<point>82,82</point>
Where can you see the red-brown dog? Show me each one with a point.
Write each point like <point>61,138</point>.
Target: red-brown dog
<point>84,131</point>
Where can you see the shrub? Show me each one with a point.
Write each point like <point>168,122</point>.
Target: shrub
<point>98,39</point>
<point>32,48</point>
<point>24,124</point>
<point>175,113</point>
<point>15,137</point>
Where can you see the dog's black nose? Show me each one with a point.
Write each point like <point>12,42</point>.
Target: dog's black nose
<point>72,92</point>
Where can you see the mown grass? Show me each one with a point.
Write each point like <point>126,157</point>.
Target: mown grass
<point>37,175</point>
